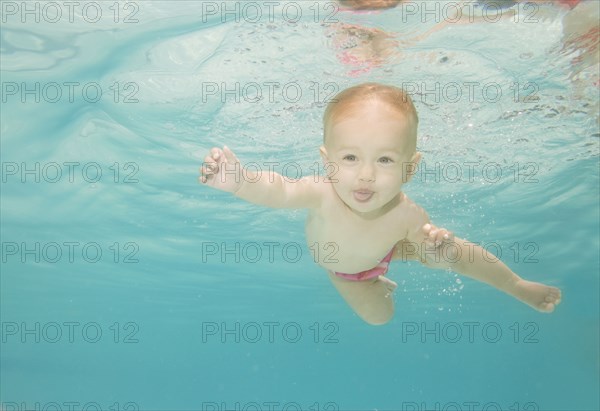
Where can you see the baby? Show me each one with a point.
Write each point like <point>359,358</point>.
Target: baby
<point>358,215</point>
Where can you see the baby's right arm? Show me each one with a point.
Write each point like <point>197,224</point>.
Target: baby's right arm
<point>222,170</point>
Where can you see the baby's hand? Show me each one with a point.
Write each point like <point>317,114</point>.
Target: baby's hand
<point>442,242</point>
<point>222,170</point>
<point>437,236</point>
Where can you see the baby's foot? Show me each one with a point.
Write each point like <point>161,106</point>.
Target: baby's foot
<point>539,296</point>
<point>389,284</point>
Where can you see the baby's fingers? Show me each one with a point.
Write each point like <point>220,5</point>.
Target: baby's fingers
<point>436,235</point>
<point>231,158</point>
<point>209,167</point>
<point>208,160</point>
<point>428,230</point>
<point>205,173</point>
<point>452,248</point>
<point>447,236</point>
<point>442,236</point>
<point>431,234</point>
<point>215,153</point>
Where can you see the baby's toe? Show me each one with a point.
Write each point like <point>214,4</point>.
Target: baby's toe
<point>546,307</point>
<point>554,295</point>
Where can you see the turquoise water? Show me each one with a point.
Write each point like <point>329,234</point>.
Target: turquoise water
<point>126,285</point>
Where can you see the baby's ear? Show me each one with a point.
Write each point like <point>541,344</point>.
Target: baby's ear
<point>323,152</point>
<point>416,158</point>
<point>411,167</point>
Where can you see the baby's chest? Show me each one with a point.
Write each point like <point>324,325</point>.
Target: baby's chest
<point>351,237</point>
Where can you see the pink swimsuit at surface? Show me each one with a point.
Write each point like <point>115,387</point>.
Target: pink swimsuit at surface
<point>379,269</point>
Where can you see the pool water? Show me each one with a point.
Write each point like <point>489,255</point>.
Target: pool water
<point>126,285</point>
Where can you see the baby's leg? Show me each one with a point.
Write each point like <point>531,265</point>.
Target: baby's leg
<point>542,297</point>
<point>371,299</point>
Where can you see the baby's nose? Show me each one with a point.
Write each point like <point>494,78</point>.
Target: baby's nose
<point>367,173</point>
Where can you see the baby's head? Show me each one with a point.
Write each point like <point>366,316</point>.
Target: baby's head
<point>369,4</point>
<point>370,136</point>
<point>389,99</point>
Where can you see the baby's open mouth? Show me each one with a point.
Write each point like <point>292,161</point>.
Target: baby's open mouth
<point>363,195</point>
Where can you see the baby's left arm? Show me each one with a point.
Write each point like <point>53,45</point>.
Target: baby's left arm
<point>439,248</point>
<point>434,246</point>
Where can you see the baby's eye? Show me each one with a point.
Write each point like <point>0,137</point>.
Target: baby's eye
<point>350,157</point>
<point>386,160</point>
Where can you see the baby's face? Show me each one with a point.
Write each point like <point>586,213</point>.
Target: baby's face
<point>371,148</point>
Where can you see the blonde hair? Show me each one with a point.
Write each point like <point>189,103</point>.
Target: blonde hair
<point>394,97</point>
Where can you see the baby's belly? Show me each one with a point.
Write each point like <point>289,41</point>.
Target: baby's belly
<point>337,246</point>
<point>345,256</point>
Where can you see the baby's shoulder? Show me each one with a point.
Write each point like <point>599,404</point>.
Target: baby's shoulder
<point>410,213</point>
<point>407,205</point>
<point>319,190</point>
<point>324,186</point>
